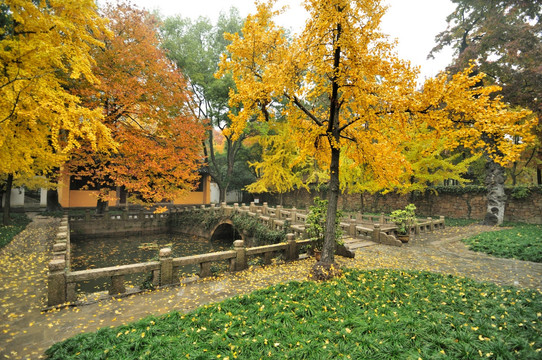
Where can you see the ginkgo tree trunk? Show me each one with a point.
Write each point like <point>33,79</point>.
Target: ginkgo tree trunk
<point>347,99</point>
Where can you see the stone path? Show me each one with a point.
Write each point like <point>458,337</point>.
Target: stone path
<point>26,332</point>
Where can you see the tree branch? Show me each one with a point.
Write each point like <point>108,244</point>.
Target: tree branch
<point>305,110</point>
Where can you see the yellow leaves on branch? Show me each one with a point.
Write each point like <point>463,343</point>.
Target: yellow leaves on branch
<point>42,45</point>
<point>339,85</point>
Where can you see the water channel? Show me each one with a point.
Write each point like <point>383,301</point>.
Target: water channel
<point>105,252</point>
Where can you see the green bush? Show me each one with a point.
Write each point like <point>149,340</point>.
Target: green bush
<point>523,242</point>
<point>18,224</point>
<point>255,229</point>
<point>382,314</point>
<point>404,218</point>
<point>316,223</point>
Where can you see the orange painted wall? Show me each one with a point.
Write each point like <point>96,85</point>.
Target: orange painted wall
<point>88,198</point>
<point>197,197</point>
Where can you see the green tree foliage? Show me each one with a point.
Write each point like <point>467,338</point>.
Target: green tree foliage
<point>196,47</point>
<point>504,39</point>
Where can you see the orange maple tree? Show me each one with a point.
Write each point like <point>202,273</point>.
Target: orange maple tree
<point>144,100</point>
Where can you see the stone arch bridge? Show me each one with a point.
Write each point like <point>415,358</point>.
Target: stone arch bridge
<point>359,229</point>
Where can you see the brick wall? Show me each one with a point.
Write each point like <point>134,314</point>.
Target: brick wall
<point>467,206</point>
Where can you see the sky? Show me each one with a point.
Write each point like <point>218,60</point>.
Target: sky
<point>414,23</point>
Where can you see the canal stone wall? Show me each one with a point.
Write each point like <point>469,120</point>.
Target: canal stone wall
<point>119,223</point>
<point>62,282</point>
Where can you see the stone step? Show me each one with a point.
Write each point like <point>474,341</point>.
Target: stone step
<point>358,244</point>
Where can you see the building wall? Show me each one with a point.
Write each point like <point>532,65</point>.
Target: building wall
<point>89,198</point>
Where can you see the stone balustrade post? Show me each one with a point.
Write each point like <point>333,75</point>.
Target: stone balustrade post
<point>87,215</point>
<point>293,214</point>
<point>382,220</point>
<point>264,208</point>
<point>156,278</point>
<point>376,233</point>
<point>277,212</point>
<point>352,228</point>
<point>293,249</point>
<point>166,267</point>
<point>56,282</point>
<point>235,207</point>
<point>443,223</point>
<point>117,285</point>
<point>431,225</point>
<point>140,215</point>
<point>59,250</point>
<point>252,207</point>
<point>241,258</point>
<point>124,215</point>
<point>205,269</point>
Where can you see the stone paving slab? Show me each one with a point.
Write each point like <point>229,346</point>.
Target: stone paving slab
<point>26,332</point>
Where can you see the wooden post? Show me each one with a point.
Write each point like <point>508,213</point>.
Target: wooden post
<point>241,258</point>
<point>56,283</point>
<point>166,267</point>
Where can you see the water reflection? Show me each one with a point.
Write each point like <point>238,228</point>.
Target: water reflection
<point>105,252</point>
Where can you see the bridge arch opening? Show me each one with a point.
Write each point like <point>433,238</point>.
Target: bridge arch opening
<point>225,231</point>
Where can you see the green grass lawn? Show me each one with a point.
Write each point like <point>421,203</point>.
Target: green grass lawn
<point>522,242</point>
<point>383,314</point>
<point>7,233</point>
<point>460,222</point>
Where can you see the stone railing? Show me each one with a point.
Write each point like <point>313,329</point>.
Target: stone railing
<point>62,282</point>
<point>357,225</point>
<point>56,289</point>
<point>377,228</point>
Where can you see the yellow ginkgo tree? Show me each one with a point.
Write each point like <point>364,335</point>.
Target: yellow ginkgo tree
<point>42,44</point>
<point>347,99</point>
